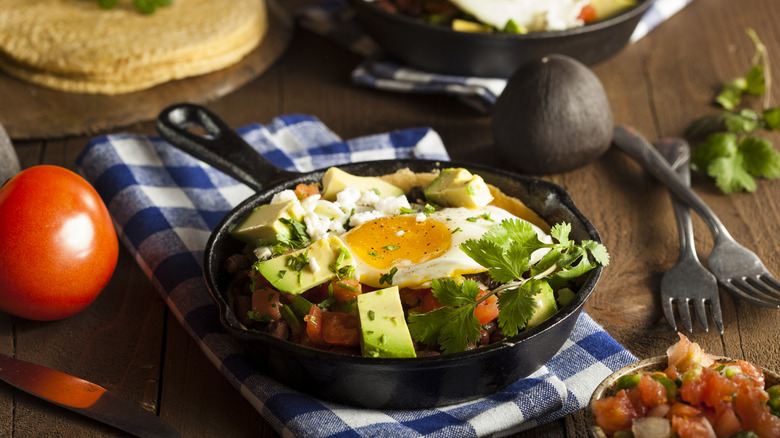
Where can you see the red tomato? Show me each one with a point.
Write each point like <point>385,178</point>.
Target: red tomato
<point>265,301</point>
<point>587,14</point>
<point>346,290</point>
<point>487,310</point>
<point>314,324</point>
<point>59,247</point>
<point>303,191</point>
<point>696,427</point>
<point>614,413</point>
<point>727,424</point>
<point>340,329</point>
<point>653,392</point>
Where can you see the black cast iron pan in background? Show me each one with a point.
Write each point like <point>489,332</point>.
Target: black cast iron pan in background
<point>360,381</point>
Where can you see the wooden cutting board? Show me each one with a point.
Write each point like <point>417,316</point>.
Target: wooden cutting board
<point>31,112</point>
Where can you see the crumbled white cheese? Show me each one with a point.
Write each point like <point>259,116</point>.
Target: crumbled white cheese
<point>369,198</point>
<point>313,264</point>
<point>347,198</point>
<point>316,227</point>
<point>363,217</point>
<point>420,217</point>
<point>391,205</point>
<point>284,195</point>
<point>263,252</point>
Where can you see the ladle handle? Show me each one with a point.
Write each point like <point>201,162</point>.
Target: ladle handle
<point>224,150</point>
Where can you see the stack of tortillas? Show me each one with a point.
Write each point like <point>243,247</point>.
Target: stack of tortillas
<point>75,46</point>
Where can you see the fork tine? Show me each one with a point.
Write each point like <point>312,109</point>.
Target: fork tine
<point>753,287</point>
<point>768,279</point>
<point>717,316</point>
<point>666,304</point>
<point>685,313</point>
<point>701,313</point>
<point>730,288</point>
<point>761,287</point>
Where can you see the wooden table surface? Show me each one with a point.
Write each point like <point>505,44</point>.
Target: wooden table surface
<point>128,342</point>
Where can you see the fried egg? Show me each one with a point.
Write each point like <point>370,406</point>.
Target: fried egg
<point>420,247</point>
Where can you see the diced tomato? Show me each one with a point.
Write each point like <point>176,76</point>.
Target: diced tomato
<point>587,14</point>
<point>715,389</point>
<point>653,392</point>
<point>314,325</point>
<point>340,329</point>
<point>412,297</point>
<point>303,191</point>
<point>753,371</point>
<point>614,413</point>
<point>635,395</point>
<point>345,290</point>
<point>692,391</point>
<point>429,302</point>
<point>487,310</point>
<point>727,424</point>
<point>754,413</point>
<point>696,427</point>
<point>265,302</point>
<point>682,410</point>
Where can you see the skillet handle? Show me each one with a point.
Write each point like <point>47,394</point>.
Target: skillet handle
<point>225,150</point>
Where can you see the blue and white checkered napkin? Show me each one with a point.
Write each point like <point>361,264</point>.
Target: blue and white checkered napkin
<point>165,203</point>
<point>335,20</point>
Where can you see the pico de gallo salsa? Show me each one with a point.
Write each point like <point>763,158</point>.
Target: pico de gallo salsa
<point>695,396</point>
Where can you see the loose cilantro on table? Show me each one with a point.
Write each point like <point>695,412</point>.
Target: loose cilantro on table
<point>506,251</point>
<point>730,153</point>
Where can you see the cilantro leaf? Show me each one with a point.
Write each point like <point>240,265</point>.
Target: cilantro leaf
<point>560,232</point>
<point>772,118</point>
<point>730,174</point>
<point>721,144</point>
<point>453,329</point>
<point>743,122</point>
<point>598,251</point>
<point>731,93</point>
<point>760,159</point>
<point>450,293</point>
<point>516,306</point>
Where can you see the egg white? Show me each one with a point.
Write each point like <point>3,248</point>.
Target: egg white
<point>453,262</point>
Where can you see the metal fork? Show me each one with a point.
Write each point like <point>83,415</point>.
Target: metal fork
<point>687,282</point>
<point>738,270</point>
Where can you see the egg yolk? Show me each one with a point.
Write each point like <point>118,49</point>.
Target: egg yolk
<point>388,241</point>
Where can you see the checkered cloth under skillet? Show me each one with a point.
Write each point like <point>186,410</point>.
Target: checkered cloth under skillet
<point>165,204</point>
<point>335,20</point>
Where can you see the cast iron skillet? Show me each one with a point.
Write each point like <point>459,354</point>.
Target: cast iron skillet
<point>370,382</point>
<point>439,49</point>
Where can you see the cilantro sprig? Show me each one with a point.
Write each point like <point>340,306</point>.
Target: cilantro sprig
<point>505,250</point>
<point>731,153</point>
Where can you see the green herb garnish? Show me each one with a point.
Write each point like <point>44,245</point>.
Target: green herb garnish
<point>388,278</point>
<point>730,153</point>
<point>505,251</point>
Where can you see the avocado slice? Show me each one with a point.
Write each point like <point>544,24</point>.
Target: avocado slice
<point>336,180</point>
<point>382,325</point>
<point>545,306</point>
<point>293,274</point>
<point>264,225</point>
<point>457,187</point>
